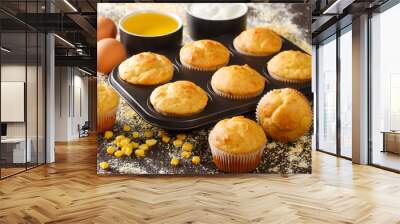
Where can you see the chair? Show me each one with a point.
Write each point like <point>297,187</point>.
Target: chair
<point>84,130</point>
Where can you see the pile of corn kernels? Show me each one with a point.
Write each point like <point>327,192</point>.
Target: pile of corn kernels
<point>135,145</point>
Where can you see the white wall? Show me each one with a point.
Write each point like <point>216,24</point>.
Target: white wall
<point>33,126</point>
<point>61,103</point>
<point>71,92</point>
<point>12,73</point>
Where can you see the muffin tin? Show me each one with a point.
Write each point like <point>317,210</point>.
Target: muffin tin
<point>138,97</point>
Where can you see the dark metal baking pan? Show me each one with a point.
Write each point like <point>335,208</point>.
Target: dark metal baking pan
<point>218,107</point>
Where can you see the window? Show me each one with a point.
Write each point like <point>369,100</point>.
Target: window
<point>327,96</point>
<point>22,75</point>
<point>385,89</point>
<point>346,92</point>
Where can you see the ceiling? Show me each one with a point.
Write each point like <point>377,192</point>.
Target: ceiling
<point>72,20</point>
<point>75,22</point>
<point>331,15</point>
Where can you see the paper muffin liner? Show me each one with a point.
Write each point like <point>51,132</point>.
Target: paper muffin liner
<point>290,81</point>
<point>236,163</point>
<point>250,54</point>
<point>232,97</point>
<point>191,67</point>
<point>106,121</point>
<point>176,114</point>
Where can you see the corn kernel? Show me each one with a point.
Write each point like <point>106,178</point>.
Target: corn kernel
<point>118,153</point>
<point>124,142</point>
<point>126,147</point>
<point>108,134</point>
<point>161,133</point>
<point>144,147</point>
<point>186,154</point>
<point>187,147</point>
<point>104,165</point>
<point>127,150</point>
<point>174,161</point>
<point>196,160</point>
<point>148,134</point>
<point>110,150</point>
<point>119,137</point>
<point>177,143</point>
<point>165,139</point>
<point>181,136</point>
<point>134,145</point>
<point>139,152</point>
<point>151,142</point>
<point>135,134</point>
<point>126,128</point>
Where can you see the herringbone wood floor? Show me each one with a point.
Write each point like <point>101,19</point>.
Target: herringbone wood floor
<point>69,191</point>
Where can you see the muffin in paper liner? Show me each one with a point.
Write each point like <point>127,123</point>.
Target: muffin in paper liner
<point>303,111</point>
<point>290,81</point>
<point>246,53</point>
<point>237,144</point>
<point>236,163</point>
<point>179,99</point>
<point>290,67</point>
<point>107,106</point>
<point>232,97</point>
<point>237,82</point>
<point>252,35</point>
<point>204,55</point>
<point>191,67</point>
<point>106,121</point>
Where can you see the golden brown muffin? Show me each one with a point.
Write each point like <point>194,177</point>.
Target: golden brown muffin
<point>284,114</point>
<point>180,98</point>
<point>290,66</point>
<point>205,55</point>
<point>107,105</point>
<point>237,82</point>
<point>258,42</point>
<point>146,68</point>
<point>237,144</point>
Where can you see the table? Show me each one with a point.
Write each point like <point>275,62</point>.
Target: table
<point>391,141</point>
<point>17,150</point>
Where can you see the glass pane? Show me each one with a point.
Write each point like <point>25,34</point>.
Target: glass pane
<point>346,94</point>
<point>385,84</point>
<point>13,87</point>
<point>41,99</point>
<point>327,96</point>
<point>31,98</point>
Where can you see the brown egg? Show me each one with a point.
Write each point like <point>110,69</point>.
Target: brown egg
<point>105,28</point>
<point>110,53</point>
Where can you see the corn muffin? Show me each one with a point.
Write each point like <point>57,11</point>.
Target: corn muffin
<point>107,105</point>
<point>237,144</point>
<point>284,114</point>
<point>204,55</point>
<point>179,99</point>
<point>146,68</point>
<point>258,42</point>
<point>237,82</point>
<point>290,66</point>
